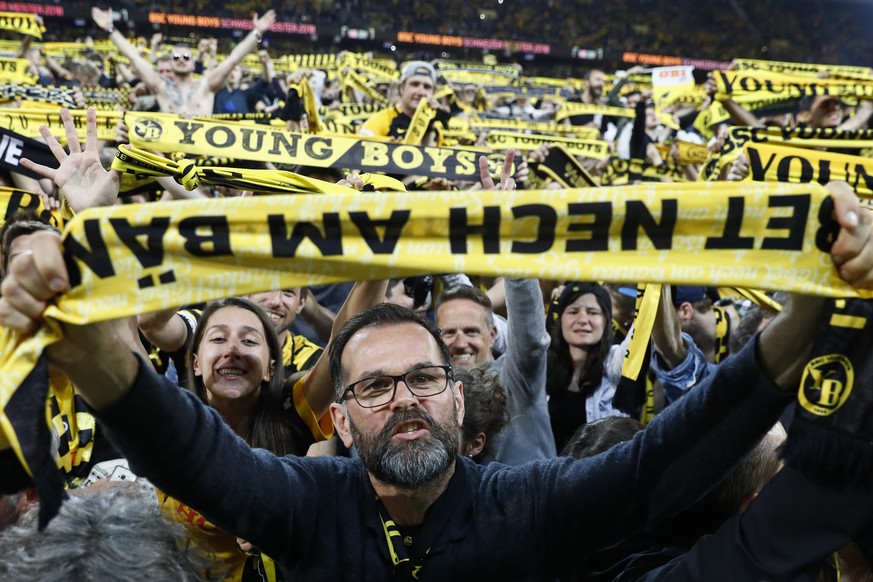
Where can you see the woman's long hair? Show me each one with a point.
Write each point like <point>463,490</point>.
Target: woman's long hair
<point>271,428</point>
<point>559,368</point>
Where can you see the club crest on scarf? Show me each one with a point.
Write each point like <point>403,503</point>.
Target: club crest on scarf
<point>827,383</point>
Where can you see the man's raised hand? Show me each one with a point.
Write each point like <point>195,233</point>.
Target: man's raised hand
<point>81,178</point>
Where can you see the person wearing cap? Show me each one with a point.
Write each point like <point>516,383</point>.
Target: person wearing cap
<point>417,82</point>
<point>583,365</point>
<point>690,339</point>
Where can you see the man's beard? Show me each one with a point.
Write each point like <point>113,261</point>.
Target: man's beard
<point>409,464</point>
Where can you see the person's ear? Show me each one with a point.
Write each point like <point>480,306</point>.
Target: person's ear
<point>458,394</point>
<point>476,447</point>
<point>686,311</point>
<point>195,365</point>
<point>340,415</point>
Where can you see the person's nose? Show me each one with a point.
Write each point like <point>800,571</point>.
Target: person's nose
<point>232,348</point>
<point>274,298</point>
<point>459,342</point>
<point>403,397</point>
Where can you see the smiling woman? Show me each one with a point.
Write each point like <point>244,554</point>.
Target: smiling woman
<point>583,366</point>
<point>235,366</point>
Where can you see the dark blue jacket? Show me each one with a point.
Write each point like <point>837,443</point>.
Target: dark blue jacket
<point>319,519</point>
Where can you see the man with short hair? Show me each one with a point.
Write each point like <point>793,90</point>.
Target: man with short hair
<point>592,94</point>
<point>466,323</point>
<point>594,83</point>
<point>165,66</point>
<point>690,339</point>
<point>182,94</point>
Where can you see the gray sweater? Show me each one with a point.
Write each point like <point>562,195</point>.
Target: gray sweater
<point>522,368</point>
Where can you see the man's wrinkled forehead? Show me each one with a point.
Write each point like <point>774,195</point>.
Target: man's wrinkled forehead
<point>416,343</point>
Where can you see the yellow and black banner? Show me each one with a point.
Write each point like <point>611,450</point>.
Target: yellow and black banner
<point>59,95</point>
<point>634,390</point>
<point>32,96</point>
<point>140,164</point>
<point>133,184</point>
<point>133,259</point>
<point>64,49</point>
<point>420,122</point>
<point>570,109</point>
<point>547,82</point>
<point>491,81</point>
<point>359,83</point>
<point>803,69</point>
<point>504,140</point>
<point>508,70</point>
<point>22,23</point>
<point>772,163</point>
<point>755,85</point>
<point>240,117</point>
<point>339,127</point>
<point>26,122</point>
<point>16,71</point>
<point>562,167</point>
<point>19,204</point>
<point>378,70</point>
<point>687,152</point>
<point>506,124</point>
<point>799,137</point>
<point>694,95</point>
<point>710,117</point>
<point>691,153</point>
<point>678,233</point>
<point>168,133</point>
<point>312,61</point>
<point>802,137</point>
<point>621,172</point>
<point>106,99</point>
<point>648,298</point>
<point>351,111</point>
<point>307,98</point>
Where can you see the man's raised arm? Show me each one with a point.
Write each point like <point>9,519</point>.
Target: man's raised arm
<point>143,68</point>
<point>217,76</point>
